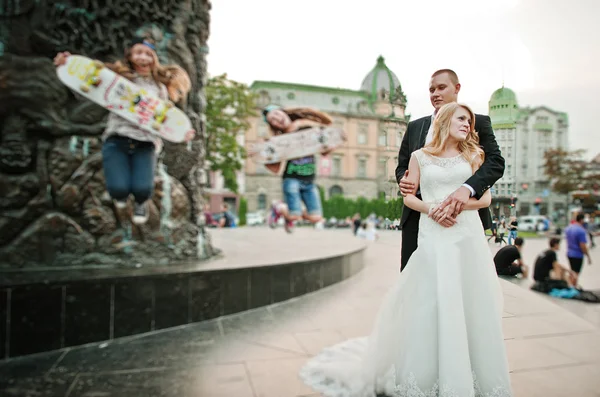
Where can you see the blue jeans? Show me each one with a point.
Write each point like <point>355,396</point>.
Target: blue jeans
<point>512,234</point>
<point>128,168</point>
<point>296,191</point>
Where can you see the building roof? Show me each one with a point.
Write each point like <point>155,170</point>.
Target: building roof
<point>527,111</point>
<point>503,94</point>
<point>381,78</point>
<point>259,84</point>
<point>327,99</point>
<point>503,108</point>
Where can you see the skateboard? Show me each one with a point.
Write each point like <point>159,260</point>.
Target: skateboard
<point>121,96</point>
<point>297,144</point>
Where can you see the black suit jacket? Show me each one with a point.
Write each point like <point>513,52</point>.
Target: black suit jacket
<point>490,171</point>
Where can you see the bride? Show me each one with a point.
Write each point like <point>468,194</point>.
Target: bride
<point>439,330</point>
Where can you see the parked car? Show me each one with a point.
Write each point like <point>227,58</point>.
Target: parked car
<point>529,223</point>
<point>255,218</point>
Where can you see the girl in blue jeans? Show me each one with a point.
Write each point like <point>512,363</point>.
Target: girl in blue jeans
<point>299,174</point>
<point>129,153</point>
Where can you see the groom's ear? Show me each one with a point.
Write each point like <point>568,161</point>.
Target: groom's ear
<point>457,87</point>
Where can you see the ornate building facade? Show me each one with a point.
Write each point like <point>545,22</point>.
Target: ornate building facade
<point>373,118</point>
<point>524,135</point>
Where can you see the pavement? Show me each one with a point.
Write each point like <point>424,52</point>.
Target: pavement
<point>553,346</point>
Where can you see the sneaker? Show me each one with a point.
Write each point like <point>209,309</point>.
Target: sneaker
<point>273,217</point>
<point>120,204</point>
<point>289,226</point>
<point>140,213</point>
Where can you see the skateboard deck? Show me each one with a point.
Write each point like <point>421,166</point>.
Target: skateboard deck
<point>297,144</point>
<point>123,97</point>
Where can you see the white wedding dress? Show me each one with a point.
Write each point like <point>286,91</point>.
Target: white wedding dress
<point>439,330</point>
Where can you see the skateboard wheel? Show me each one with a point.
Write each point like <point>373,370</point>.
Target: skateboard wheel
<point>156,126</point>
<point>84,88</point>
<point>96,81</point>
<point>99,65</point>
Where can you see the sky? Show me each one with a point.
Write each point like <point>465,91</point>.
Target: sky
<point>547,51</point>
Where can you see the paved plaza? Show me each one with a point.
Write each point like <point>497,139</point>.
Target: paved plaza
<point>553,346</point>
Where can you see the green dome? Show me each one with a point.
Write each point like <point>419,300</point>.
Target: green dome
<point>503,94</point>
<point>381,77</point>
<point>503,107</point>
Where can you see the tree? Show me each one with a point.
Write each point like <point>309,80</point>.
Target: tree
<point>229,105</point>
<point>243,211</point>
<point>567,170</point>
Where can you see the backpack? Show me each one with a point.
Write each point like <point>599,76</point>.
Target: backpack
<point>229,219</point>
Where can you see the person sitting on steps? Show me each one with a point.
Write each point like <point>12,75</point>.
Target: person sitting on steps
<point>509,262</point>
<point>547,267</point>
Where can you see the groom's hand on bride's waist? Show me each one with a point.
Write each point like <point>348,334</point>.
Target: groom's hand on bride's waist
<point>406,186</point>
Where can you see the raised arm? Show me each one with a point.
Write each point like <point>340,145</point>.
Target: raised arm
<point>492,168</point>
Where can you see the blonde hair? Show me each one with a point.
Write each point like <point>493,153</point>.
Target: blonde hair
<point>469,148</point>
<point>174,77</point>
<point>179,84</point>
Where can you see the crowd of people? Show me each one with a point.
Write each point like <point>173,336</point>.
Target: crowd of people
<point>547,267</point>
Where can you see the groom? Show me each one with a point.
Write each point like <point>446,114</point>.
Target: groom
<point>443,89</point>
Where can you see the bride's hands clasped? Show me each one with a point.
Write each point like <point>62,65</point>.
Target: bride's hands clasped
<point>442,215</point>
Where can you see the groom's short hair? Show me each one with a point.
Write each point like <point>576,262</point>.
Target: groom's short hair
<point>451,73</point>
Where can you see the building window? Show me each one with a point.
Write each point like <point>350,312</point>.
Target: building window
<point>362,168</point>
<point>262,201</point>
<point>263,99</point>
<point>363,130</point>
<point>291,95</point>
<point>336,166</point>
<point>508,172</point>
<point>335,190</point>
<point>382,138</point>
<point>398,138</point>
<point>382,169</point>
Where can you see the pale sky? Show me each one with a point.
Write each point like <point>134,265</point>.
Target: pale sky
<point>547,51</point>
